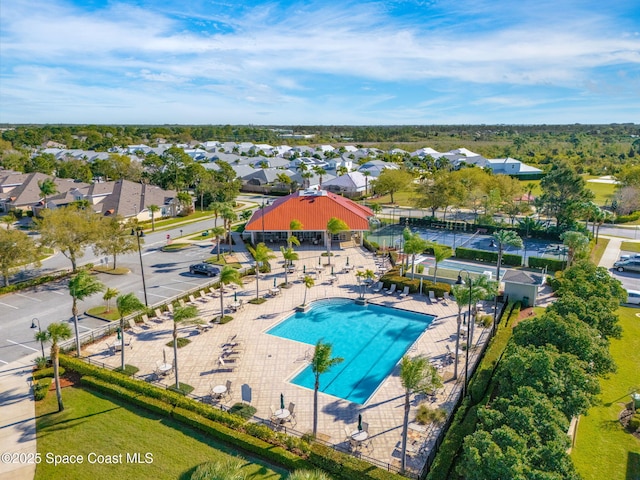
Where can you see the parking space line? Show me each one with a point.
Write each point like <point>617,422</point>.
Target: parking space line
<point>57,292</point>
<point>171,288</point>
<point>28,297</point>
<point>10,306</point>
<point>23,345</point>
<point>86,328</point>
<point>190,283</point>
<point>6,363</point>
<point>156,295</point>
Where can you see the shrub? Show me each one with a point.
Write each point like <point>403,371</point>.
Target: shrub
<point>428,415</point>
<point>129,370</point>
<point>46,372</point>
<point>420,268</point>
<point>550,264</point>
<point>257,301</point>
<point>243,409</point>
<point>393,276</point>
<point>41,362</point>
<point>634,422</point>
<point>226,319</point>
<point>182,388</point>
<point>182,342</point>
<point>41,388</point>
<point>485,320</point>
<point>490,257</point>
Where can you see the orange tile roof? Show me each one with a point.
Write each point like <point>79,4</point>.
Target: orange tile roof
<point>313,211</point>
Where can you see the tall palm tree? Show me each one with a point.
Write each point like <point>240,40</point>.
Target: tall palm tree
<point>440,253</point>
<point>55,333</point>
<point>505,238</point>
<point>153,209</point>
<point>127,304</point>
<point>417,375</point>
<point>461,296</point>
<point>413,246</point>
<point>289,256</point>
<point>362,277</point>
<point>321,363</point>
<point>47,188</point>
<point>320,172</point>
<point>334,226</point>
<point>366,174</point>
<point>218,233</point>
<point>294,225</point>
<point>529,187</point>
<point>227,275</point>
<point>81,286</point>
<point>308,283</point>
<point>577,245</point>
<point>186,314</point>
<point>109,294</point>
<point>229,216</point>
<point>261,254</point>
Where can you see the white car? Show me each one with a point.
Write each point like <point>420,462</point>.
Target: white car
<point>633,296</point>
<point>634,256</point>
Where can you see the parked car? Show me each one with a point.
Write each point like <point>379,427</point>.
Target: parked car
<point>634,256</point>
<point>204,269</point>
<point>627,265</point>
<point>633,297</point>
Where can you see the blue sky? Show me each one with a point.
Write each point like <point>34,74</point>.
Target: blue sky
<point>320,62</point>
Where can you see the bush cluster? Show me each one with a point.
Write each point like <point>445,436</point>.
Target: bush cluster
<point>46,372</point>
<point>488,257</point>
<point>550,264</point>
<point>41,388</point>
<point>393,276</point>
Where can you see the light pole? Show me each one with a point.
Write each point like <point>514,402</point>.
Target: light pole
<point>33,325</point>
<point>469,331</point>
<point>262,211</point>
<point>139,233</point>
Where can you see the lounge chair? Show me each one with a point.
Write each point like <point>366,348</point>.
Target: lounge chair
<point>203,297</point>
<point>445,298</point>
<point>405,292</point>
<point>226,365</point>
<point>159,316</point>
<point>134,327</point>
<point>377,287</point>
<point>181,302</point>
<point>392,289</point>
<point>432,296</point>
<point>145,321</point>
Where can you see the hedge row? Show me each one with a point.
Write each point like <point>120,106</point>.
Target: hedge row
<point>41,388</point>
<point>256,438</point>
<point>550,264</point>
<point>46,372</point>
<point>393,276</point>
<point>489,257</point>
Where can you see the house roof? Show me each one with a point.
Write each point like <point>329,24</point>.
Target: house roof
<point>351,180</point>
<point>313,209</point>
<point>523,278</point>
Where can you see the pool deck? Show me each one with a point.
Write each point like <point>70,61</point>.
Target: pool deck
<point>267,362</point>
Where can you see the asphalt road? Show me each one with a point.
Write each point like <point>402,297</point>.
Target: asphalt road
<point>166,274</point>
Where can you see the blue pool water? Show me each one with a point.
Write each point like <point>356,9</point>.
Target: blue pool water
<point>371,339</point>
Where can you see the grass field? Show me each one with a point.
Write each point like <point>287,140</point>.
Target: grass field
<point>603,449</point>
<point>630,247</point>
<point>93,423</point>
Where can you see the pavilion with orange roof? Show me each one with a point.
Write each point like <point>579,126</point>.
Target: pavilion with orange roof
<point>313,209</point>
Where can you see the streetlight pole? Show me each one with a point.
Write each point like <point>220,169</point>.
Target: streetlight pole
<point>139,233</point>
<point>469,331</point>
<point>262,211</point>
<point>33,325</point>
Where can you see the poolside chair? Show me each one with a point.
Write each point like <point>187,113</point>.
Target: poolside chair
<point>377,287</point>
<point>159,316</point>
<point>445,298</point>
<point>405,291</point>
<point>134,327</point>
<point>432,296</point>
<point>145,321</point>
<point>392,289</point>
<point>181,302</point>
<point>203,297</point>
<point>365,427</point>
<point>170,309</point>
<point>292,416</point>
<point>347,434</point>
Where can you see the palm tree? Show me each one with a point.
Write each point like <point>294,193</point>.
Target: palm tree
<point>55,333</point>
<point>417,375</point>
<point>529,187</point>
<point>216,208</point>
<point>320,172</point>
<point>308,283</point>
<point>362,276</point>
<point>227,275</point>
<point>440,253</point>
<point>229,216</point>
<point>9,219</point>
<point>505,238</point>
<point>334,226</point>
<point>321,363</point>
<point>461,296</point>
<point>81,286</point>
<point>127,304</point>
<point>261,254</point>
<point>109,294</point>
<point>413,246</point>
<point>342,170</point>
<point>294,225</point>
<point>366,174</point>
<point>47,188</point>
<point>218,233</point>
<point>308,475</point>
<point>186,314</point>
<point>153,209</point>
<point>289,256</point>
<point>577,245</point>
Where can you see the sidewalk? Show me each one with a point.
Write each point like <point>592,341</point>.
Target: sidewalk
<point>611,253</point>
<point>17,423</point>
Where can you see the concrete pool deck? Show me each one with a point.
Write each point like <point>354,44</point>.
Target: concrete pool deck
<point>266,362</point>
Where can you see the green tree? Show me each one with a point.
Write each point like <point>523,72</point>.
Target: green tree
<point>440,253</point>
<point>417,375</point>
<point>218,234</point>
<point>321,362</point>
<point>261,254</point>
<point>289,256</point>
<point>9,219</point>
<point>391,181</point>
<point>153,209</point>
<point>69,230</point>
<point>413,246</point>
<point>55,333</point>
<point>577,246</point>
<point>185,200</point>
<point>114,238</point>
<point>229,216</point>
<point>81,286</point>
<point>334,226</point>
<point>294,225</point>
<point>227,275</point>
<point>182,315</point>
<point>504,238</point>
<point>47,188</point>
<point>127,304</point>
<point>16,249</point>
<point>109,294</point>
<point>563,191</point>
<point>308,283</point>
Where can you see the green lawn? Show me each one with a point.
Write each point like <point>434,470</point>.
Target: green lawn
<point>630,247</point>
<point>603,449</point>
<point>94,423</point>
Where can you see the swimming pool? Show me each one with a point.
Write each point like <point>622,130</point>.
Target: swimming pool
<point>370,338</point>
